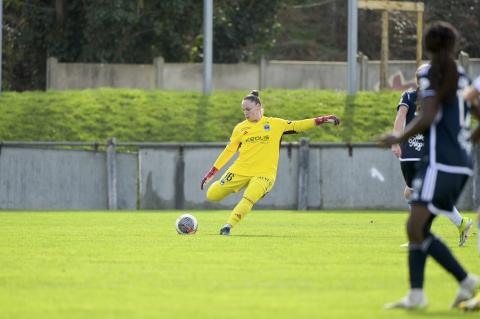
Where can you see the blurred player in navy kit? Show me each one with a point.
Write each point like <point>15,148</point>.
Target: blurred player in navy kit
<point>441,175</point>
<point>472,94</point>
<point>411,151</point>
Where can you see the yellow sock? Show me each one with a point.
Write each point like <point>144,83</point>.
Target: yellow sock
<point>243,207</point>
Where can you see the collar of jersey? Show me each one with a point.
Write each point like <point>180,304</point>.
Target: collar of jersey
<point>261,120</point>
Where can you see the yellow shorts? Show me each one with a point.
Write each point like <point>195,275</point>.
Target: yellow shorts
<point>256,186</point>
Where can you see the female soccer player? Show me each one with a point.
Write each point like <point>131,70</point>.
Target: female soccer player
<point>443,172</point>
<point>258,141</point>
<point>411,151</point>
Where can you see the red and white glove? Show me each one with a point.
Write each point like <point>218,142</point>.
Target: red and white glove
<point>206,179</point>
<point>327,119</point>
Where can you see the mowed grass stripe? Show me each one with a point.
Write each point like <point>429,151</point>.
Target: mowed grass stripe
<point>276,264</point>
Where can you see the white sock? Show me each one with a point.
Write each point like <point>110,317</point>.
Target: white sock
<point>416,295</point>
<point>456,218</point>
<point>470,282</point>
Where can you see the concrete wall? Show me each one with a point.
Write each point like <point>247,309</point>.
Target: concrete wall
<point>38,179</point>
<point>267,74</point>
<point>66,76</point>
<point>189,77</point>
<point>168,176</point>
<point>339,177</point>
<point>306,75</point>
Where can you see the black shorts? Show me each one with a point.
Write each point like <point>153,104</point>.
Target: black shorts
<point>438,190</point>
<point>408,171</point>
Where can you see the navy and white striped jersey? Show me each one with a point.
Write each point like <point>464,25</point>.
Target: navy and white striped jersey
<point>412,149</point>
<point>447,141</point>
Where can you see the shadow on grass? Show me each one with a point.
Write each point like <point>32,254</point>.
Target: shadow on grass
<point>260,236</point>
<point>439,314</point>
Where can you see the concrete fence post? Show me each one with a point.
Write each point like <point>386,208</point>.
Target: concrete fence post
<point>464,60</point>
<point>363,60</point>
<point>263,73</point>
<point>180,179</point>
<point>52,64</point>
<point>476,177</point>
<point>159,64</point>
<point>303,154</point>
<point>112,174</point>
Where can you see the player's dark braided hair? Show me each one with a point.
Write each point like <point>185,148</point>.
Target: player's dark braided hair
<point>440,41</point>
<point>253,97</point>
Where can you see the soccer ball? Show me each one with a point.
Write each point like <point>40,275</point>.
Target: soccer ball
<point>186,224</point>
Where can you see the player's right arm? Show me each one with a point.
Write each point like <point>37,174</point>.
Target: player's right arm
<point>472,94</point>
<point>399,123</point>
<point>224,157</point>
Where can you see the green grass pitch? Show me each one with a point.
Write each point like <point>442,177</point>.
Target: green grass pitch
<point>276,264</point>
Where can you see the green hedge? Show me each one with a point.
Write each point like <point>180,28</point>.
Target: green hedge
<point>158,116</point>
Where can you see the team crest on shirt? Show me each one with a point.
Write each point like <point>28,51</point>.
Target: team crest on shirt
<point>266,127</point>
<point>416,142</point>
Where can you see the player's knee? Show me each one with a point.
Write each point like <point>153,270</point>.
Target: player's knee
<point>254,192</point>
<point>212,195</point>
<point>415,231</point>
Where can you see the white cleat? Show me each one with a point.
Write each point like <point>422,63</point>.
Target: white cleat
<point>405,245</point>
<point>467,290</point>
<point>415,299</point>
<point>472,304</point>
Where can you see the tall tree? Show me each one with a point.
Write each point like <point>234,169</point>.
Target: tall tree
<point>125,31</point>
<point>26,26</point>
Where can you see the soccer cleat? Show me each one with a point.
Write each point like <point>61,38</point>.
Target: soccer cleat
<point>225,230</point>
<point>467,290</point>
<point>464,230</point>
<point>471,304</point>
<point>413,300</point>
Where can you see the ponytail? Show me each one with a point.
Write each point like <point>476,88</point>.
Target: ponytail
<point>440,41</point>
<point>253,97</point>
<point>444,75</point>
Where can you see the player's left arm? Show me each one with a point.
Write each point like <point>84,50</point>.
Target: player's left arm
<point>398,126</point>
<point>429,104</point>
<point>303,125</point>
<point>430,108</point>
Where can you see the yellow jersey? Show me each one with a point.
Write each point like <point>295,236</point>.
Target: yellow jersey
<point>258,144</point>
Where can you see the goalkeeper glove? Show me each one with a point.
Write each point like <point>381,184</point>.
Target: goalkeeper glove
<point>327,119</point>
<point>208,177</point>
